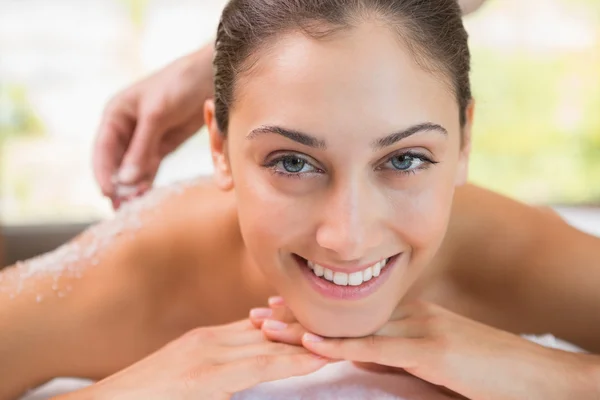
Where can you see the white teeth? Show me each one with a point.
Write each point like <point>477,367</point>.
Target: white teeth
<point>345,279</point>
<point>318,270</point>
<point>355,278</point>
<point>377,269</point>
<point>340,278</point>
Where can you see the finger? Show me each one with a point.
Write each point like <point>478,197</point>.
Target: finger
<point>142,158</point>
<point>276,301</point>
<point>277,310</point>
<point>238,333</point>
<point>236,353</point>
<point>278,331</point>
<point>283,313</point>
<point>112,138</point>
<point>253,336</point>
<point>374,367</point>
<point>259,315</point>
<point>107,156</point>
<point>252,371</point>
<point>394,352</point>
<point>126,193</point>
<point>242,325</point>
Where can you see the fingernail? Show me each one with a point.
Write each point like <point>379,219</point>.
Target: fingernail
<point>128,174</point>
<point>309,337</point>
<point>274,325</point>
<point>276,301</point>
<point>261,312</point>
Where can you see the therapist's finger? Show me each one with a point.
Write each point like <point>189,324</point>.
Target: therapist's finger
<point>112,139</point>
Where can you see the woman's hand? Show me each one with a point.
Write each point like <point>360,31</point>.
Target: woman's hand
<point>465,356</point>
<point>207,363</point>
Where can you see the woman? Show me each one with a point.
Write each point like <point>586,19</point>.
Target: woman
<point>356,224</point>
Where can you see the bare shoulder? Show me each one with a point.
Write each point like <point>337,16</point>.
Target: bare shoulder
<point>126,285</point>
<point>521,267</point>
<point>490,237</point>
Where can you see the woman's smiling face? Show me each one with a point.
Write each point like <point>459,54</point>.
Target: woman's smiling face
<point>344,155</point>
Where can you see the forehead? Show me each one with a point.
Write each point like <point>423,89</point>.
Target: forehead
<point>362,79</point>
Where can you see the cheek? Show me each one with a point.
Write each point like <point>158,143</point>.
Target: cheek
<point>269,220</point>
<point>423,214</point>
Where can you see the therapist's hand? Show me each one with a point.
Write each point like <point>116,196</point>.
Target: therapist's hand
<point>443,348</point>
<point>149,120</point>
<point>207,363</point>
<point>468,6</point>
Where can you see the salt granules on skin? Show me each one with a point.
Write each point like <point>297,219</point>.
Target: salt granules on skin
<point>71,259</point>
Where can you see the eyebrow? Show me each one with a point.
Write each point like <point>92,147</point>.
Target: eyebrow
<point>397,136</point>
<point>311,141</point>
<point>296,136</point>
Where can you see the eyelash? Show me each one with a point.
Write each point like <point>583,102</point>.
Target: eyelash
<point>272,164</point>
<point>427,162</point>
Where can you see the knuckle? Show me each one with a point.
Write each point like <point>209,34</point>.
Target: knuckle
<point>155,113</point>
<point>114,104</point>
<point>375,346</point>
<point>194,376</point>
<point>200,335</point>
<point>262,361</point>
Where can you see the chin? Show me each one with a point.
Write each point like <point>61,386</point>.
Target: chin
<point>343,323</point>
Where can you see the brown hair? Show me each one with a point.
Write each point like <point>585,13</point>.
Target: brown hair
<point>432,29</point>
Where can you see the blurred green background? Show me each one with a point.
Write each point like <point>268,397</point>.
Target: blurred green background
<point>537,127</point>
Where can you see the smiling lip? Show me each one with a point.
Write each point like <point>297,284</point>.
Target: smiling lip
<point>331,290</point>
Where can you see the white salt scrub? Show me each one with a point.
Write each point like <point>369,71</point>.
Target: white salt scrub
<point>72,258</point>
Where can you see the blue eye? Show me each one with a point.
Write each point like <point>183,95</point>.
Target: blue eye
<point>291,165</point>
<point>405,162</point>
<point>408,162</point>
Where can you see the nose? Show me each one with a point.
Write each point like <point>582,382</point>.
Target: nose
<point>350,223</point>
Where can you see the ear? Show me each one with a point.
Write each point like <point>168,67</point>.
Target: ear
<point>462,172</point>
<point>218,147</point>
